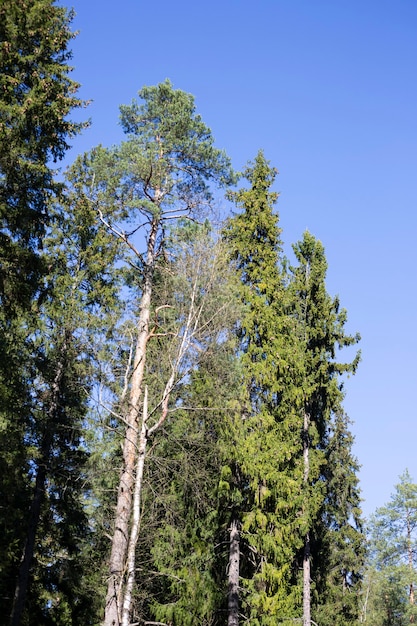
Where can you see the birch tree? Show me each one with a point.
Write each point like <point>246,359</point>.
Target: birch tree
<point>193,318</point>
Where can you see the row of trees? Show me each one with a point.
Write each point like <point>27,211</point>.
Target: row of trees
<point>174,447</point>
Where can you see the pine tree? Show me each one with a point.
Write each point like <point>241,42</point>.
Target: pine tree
<point>162,172</point>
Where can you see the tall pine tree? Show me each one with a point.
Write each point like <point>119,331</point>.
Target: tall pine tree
<point>162,172</point>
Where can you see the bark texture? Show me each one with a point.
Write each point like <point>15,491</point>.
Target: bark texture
<point>234,564</point>
<point>121,534</point>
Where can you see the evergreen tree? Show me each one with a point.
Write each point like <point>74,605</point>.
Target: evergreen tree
<point>76,289</point>
<point>391,576</point>
<point>340,539</point>
<point>36,98</point>
<point>162,172</point>
<point>267,444</point>
<point>319,328</point>
<point>37,95</point>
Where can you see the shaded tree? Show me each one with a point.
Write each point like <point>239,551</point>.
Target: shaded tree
<point>76,290</point>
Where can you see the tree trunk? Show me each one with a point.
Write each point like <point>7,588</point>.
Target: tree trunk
<point>410,563</point>
<point>22,584</point>
<point>306,583</point>
<point>145,434</point>
<point>134,533</point>
<point>120,540</point>
<point>306,557</point>
<point>27,557</point>
<point>233,576</point>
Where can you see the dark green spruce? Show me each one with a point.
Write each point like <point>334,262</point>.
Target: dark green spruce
<point>319,329</point>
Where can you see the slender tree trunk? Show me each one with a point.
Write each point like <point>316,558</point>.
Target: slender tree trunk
<point>306,557</point>
<point>120,540</point>
<point>134,533</point>
<point>233,575</point>
<point>306,583</point>
<point>410,564</point>
<point>122,561</point>
<point>26,562</point>
<point>145,434</point>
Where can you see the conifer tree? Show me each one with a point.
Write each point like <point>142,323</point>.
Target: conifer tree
<point>267,445</point>
<point>340,548</point>
<point>77,288</point>
<point>162,172</point>
<point>36,97</point>
<point>319,328</point>
<point>391,574</point>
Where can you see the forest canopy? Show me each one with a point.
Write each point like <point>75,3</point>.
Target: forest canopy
<point>174,445</point>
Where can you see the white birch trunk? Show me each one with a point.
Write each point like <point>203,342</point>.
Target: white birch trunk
<point>122,602</point>
<point>134,533</point>
<point>306,556</point>
<point>306,583</point>
<point>123,557</point>
<point>233,576</point>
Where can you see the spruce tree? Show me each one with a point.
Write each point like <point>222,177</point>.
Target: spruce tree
<point>36,97</point>
<point>340,539</point>
<point>77,288</point>
<point>319,328</point>
<point>267,444</point>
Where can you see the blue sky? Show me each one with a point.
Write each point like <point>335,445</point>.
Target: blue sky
<point>328,89</point>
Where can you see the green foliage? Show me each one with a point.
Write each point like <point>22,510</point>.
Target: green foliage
<point>391,575</point>
<point>331,499</point>
<point>339,537</point>
<point>165,168</point>
<point>289,332</point>
<point>267,440</point>
<point>36,99</point>
<point>59,336</point>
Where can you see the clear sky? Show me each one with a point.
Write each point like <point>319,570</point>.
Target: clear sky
<point>328,89</point>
